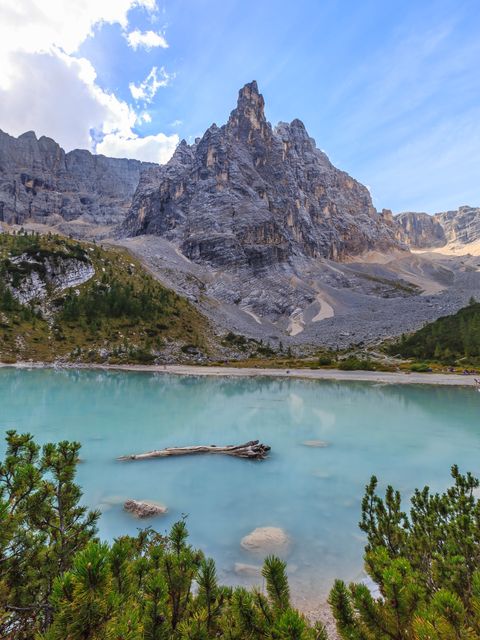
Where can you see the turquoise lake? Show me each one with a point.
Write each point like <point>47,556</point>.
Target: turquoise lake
<point>407,435</point>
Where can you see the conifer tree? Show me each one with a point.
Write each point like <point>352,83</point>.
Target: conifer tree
<point>426,565</point>
<point>43,528</point>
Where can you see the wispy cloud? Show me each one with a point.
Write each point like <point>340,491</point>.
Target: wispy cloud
<point>146,39</point>
<point>146,90</point>
<point>423,173</point>
<point>407,118</point>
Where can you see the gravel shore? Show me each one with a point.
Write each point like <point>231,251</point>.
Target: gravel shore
<point>379,377</point>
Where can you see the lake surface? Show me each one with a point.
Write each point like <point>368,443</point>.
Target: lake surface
<point>407,435</point>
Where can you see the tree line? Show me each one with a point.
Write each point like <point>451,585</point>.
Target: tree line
<point>447,339</point>
<point>115,299</point>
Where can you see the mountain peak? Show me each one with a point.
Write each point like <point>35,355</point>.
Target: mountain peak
<point>250,100</point>
<point>250,197</point>
<point>249,89</point>
<point>250,112</point>
<point>28,135</point>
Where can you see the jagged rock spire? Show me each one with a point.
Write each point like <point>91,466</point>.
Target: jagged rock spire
<point>249,116</point>
<point>250,101</point>
<point>246,196</point>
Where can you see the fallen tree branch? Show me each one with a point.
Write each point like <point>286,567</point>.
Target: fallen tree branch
<point>253,450</point>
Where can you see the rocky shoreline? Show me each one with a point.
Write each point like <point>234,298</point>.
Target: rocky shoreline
<point>379,377</point>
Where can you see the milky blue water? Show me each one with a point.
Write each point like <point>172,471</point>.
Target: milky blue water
<point>407,435</point>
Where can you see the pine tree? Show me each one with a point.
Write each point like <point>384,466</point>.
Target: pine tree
<point>44,528</point>
<point>426,565</point>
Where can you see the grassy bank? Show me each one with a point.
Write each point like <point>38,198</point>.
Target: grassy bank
<point>121,314</point>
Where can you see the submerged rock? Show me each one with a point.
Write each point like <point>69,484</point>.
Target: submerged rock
<point>144,509</point>
<point>266,539</point>
<point>250,570</point>
<point>315,443</point>
<point>321,473</point>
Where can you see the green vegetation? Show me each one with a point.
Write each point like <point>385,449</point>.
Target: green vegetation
<point>235,340</point>
<point>420,367</point>
<point>58,581</point>
<point>397,287</point>
<point>257,348</point>
<point>268,358</point>
<point>446,340</point>
<point>426,566</point>
<point>353,363</point>
<point>121,314</point>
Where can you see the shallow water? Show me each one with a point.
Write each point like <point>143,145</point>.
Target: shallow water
<point>407,435</point>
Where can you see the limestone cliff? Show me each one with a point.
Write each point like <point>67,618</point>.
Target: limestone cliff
<point>420,230</point>
<point>39,182</point>
<point>249,195</point>
<point>34,276</point>
<point>461,225</point>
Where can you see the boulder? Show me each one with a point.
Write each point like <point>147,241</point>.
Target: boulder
<point>144,509</point>
<point>267,540</point>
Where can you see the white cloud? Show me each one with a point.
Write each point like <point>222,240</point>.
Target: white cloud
<point>155,148</point>
<point>35,26</point>
<point>45,87</point>
<point>56,95</point>
<point>146,39</point>
<point>147,89</point>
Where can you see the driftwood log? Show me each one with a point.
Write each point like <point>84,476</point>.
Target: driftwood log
<point>254,450</point>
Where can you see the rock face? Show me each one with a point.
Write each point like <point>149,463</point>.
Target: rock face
<point>462,225</point>
<point>37,277</point>
<point>41,183</point>
<point>144,509</point>
<point>248,195</point>
<point>420,230</point>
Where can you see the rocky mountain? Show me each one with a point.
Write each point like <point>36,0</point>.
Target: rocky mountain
<point>249,195</point>
<point>244,195</point>
<point>39,182</point>
<point>256,227</point>
<point>420,230</point>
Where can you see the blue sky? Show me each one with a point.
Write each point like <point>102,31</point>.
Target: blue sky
<point>389,89</point>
